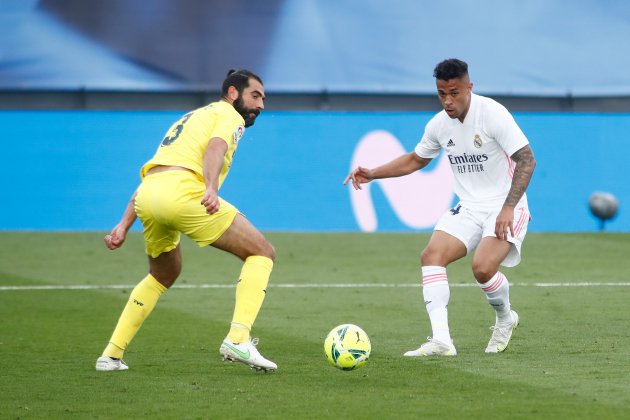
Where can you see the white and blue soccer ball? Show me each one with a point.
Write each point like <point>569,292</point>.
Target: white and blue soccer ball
<point>347,347</point>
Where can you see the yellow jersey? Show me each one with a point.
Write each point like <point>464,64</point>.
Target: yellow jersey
<point>186,141</point>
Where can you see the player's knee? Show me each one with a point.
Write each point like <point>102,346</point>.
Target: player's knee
<point>270,251</point>
<point>430,257</point>
<point>166,277</point>
<point>176,272</point>
<point>483,271</point>
<point>262,248</point>
<point>166,269</point>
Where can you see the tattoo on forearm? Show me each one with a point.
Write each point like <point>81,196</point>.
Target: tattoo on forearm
<point>525,164</point>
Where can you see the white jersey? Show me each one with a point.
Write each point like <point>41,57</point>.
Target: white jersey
<point>478,149</point>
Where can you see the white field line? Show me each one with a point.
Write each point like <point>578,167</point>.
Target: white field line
<point>303,286</point>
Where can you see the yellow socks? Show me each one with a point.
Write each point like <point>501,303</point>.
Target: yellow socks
<point>141,302</point>
<point>250,294</point>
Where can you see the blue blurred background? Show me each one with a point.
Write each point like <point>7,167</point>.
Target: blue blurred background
<point>88,89</point>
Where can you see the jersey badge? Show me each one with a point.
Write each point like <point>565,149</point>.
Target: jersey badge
<point>239,133</point>
<point>477,141</point>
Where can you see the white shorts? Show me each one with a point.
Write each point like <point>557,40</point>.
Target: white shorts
<point>469,226</point>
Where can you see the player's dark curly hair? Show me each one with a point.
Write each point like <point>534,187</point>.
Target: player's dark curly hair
<point>239,79</point>
<point>450,69</point>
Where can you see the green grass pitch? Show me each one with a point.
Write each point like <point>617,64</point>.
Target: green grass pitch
<point>569,358</point>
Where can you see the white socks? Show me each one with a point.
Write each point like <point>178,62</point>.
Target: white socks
<point>436,296</point>
<point>497,291</point>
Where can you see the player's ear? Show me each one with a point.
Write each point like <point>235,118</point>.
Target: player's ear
<point>232,93</point>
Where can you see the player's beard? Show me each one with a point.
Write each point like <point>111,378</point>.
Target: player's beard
<point>248,114</point>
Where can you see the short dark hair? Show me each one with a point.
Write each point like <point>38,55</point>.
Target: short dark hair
<point>450,69</point>
<point>239,79</point>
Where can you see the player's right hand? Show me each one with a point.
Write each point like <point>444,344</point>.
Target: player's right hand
<point>116,238</point>
<point>359,176</point>
<point>211,201</point>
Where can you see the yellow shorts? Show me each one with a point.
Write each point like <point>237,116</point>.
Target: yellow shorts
<point>169,203</point>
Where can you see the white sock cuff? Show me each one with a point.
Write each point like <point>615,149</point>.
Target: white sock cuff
<point>494,283</point>
<point>434,275</point>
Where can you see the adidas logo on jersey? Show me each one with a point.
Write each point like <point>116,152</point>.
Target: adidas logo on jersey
<point>450,143</point>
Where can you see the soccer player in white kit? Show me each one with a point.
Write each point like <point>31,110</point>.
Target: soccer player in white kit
<point>492,163</point>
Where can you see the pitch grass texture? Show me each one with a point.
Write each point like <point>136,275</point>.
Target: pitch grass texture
<point>570,358</point>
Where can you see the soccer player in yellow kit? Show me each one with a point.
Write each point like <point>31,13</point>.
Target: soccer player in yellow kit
<point>179,194</point>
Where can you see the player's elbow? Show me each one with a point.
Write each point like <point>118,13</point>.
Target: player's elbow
<point>411,163</point>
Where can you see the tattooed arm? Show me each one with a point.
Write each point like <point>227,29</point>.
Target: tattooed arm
<point>525,164</point>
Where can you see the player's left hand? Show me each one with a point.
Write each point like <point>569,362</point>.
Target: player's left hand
<point>504,223</point>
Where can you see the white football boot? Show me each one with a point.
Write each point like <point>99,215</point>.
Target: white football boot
<point>501,334</point>
<point>107,364</point>
<point>246,353</point>
<point>433,348</point>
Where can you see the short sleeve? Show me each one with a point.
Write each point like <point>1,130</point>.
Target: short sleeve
<point>226,129</point>
<point>501,126</point>
<point>429,146</point>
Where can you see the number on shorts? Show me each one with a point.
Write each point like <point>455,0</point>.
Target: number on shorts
<point>455,210</point>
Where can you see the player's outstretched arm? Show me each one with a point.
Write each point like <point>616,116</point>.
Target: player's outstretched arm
<point>403,165</point>
<point>118,234</point>
<point>358,176</point>
<point>525,164</point>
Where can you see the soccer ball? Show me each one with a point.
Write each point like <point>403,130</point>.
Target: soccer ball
<point>347,347</point>
<point>603,205</point>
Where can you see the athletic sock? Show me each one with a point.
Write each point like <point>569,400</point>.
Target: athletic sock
<point>436,295</point>
<point>141,302</point>
<point>250,294</point>
<point>497,291</point>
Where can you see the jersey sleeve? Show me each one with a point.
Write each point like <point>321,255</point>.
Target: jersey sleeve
<point>429,145</point>
<point>225,129</point>
<point>502,127</point>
